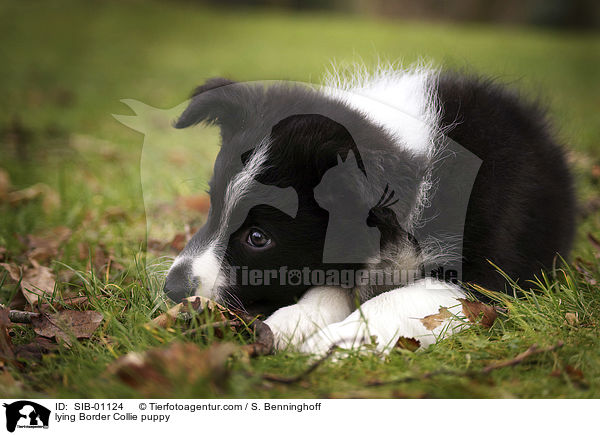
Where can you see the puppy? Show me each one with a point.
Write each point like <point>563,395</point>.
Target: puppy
<point>348,213</point>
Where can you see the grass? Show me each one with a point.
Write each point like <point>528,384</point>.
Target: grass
<point>67,64</point>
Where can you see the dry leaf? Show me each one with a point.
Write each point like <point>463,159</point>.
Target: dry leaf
<point>67,324</point>
<point>50,198</point>
<point>180,363</point>
<point>5,185</point>
<point>199,203</point>
<point>572,318</point>
<point>36,281</point>
<point>473,310</point>
<point>44,247</point>
<point>100,257</point>
<point>594,241</point>
<point>34,350</point>
<point>191,305</point>
<point>6,348</point>
<point>434,320</point>
<point>411,344</point>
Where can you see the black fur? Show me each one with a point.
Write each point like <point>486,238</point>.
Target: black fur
<point>521,210</point>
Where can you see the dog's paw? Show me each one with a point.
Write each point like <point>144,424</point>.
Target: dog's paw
<point>290,326</point>
<point>319,307</point>
<point>348,334</point>
<point>382,321</point>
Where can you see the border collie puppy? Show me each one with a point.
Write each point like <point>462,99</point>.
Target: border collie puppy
<point>348,213</point>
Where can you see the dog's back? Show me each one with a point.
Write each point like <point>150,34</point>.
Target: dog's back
<point>521,209</point>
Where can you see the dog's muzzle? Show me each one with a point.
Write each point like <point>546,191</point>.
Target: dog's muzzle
<point>180,282</point>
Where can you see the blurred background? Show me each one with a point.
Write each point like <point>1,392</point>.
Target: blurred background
<point>67,64</point>
<point>579,14</point>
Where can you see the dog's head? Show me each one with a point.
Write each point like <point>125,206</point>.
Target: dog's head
<point>302,183</point>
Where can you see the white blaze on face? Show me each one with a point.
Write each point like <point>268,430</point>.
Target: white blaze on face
<point>207,269</point>
<point>206,266</point>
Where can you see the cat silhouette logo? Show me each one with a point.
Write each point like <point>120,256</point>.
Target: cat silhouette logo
<point>26,414</point>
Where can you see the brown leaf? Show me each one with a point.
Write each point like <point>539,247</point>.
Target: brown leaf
<point>77,302</point>
<point>181,239</point>
<point>411,344</point>
<point>36,281</point>
<point>178,364</point>
<point>191,305</point>
<point>67,324</point>
<point>572,318</point>
<point>434,320</point>
<point>50,198</point>
<point>34,350</point>
<point>478,312</point>
<point>178,242</point>
<point>199,203</point>
<point>100,258</point>
<point>5,185</point>
<point>6,348</point>
<point>44,247</point>
<point>594,241</point>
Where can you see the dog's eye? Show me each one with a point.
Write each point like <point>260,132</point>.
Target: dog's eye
<point>258,239</point>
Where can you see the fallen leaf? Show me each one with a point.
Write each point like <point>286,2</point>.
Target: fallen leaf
<point>478,312</point>
<point>199,203</point>
<point>594,241</point>
<point>67,324</point>
<point>77,302</point>
<point>178,364</point>
<point>33,351</point>
<point>5,185</point>
<point>572,318</point>
<point>181,239</point>
<point>434,320</point>
<point>50,198</point>
<point>192,305</point>
<point>99,257</point>
<point>6,348</point>
<point>36,281</point>
<point>44,247</point>
<point>411,344</point>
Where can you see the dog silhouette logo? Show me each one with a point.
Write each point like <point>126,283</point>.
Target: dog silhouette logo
<point>26,414</point>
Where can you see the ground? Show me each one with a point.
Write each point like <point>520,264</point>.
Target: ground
<point>67,65</point>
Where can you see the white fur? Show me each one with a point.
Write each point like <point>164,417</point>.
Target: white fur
<point>240,184</point>
<point>207,268</point>
<point>389,316</point>
<point>320,306</point>
<point>402,101</point>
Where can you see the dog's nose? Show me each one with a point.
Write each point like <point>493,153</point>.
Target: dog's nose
<point>180,282</point>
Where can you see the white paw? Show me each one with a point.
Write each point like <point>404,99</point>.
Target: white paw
<point>290,325</point>
<point>383,320</point>
<point>319,307</point>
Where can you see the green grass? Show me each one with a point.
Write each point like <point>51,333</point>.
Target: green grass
<point>67,65</point>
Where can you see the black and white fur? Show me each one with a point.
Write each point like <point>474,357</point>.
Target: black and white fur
<point>519,216</point>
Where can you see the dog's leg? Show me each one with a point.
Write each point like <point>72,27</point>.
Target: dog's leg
<point>319,307</point>
<point>386,318</point>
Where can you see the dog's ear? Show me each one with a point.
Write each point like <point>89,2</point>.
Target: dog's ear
<point>215,102</point>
